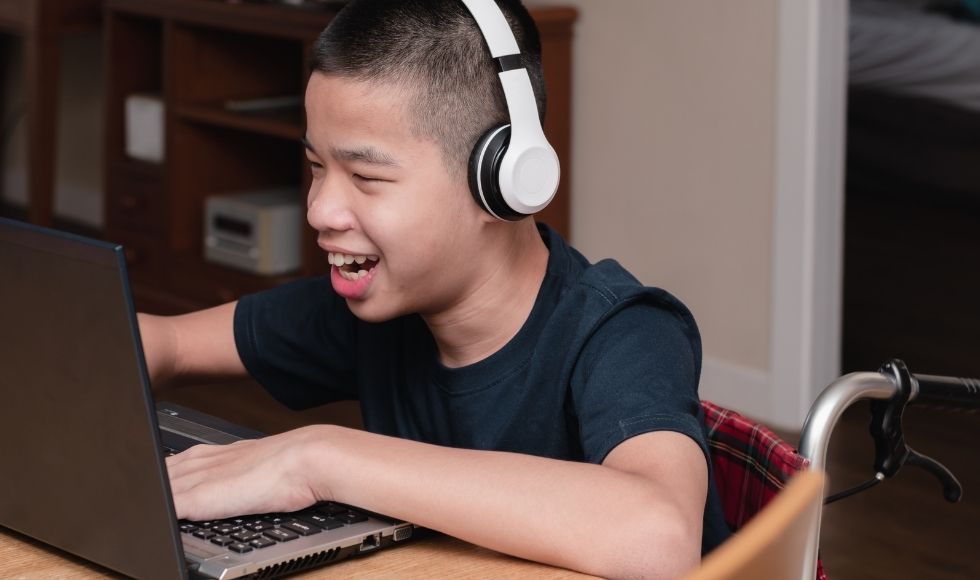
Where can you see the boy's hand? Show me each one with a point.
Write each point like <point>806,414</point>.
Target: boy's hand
<point>637,515</point>
<point>247,477</point>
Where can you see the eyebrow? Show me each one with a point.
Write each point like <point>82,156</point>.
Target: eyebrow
<point>365,154</point>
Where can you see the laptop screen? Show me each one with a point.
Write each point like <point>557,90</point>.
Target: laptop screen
<point>80,455</point>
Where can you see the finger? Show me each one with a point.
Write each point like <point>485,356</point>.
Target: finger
<point>221,462</point>
<point>213,499</point>
<point>199,450</point>
<point>195,457</point>
<point>191,474</point>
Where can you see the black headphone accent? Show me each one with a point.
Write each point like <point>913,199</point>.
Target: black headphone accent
<point>484,169</point>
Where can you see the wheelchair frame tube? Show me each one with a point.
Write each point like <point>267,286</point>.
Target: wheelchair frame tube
<point>820,422</point>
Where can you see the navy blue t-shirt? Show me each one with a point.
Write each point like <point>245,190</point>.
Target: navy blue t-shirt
<point>600,359</point>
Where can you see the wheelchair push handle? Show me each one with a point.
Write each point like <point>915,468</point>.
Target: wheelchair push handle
<point>952,392</point>
<point>890,390</point>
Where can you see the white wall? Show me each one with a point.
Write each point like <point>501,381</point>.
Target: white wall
<point>673,166</point>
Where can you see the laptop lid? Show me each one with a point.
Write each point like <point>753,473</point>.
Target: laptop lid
<point>79,447</point>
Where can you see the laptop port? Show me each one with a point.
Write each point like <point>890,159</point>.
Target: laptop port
<point>370,542</point>
<point>403,533</point>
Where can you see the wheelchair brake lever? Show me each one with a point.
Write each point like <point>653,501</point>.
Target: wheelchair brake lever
<point>952,490</point>
<point>891,450</point>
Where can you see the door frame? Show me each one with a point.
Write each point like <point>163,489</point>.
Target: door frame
<point>808,224</point>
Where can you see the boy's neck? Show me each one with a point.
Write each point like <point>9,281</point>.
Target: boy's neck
<point>497,306</point>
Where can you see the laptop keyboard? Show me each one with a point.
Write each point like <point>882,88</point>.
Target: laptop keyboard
<point>249,533</point>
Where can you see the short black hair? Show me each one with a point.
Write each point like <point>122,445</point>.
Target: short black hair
<point>434,50</point>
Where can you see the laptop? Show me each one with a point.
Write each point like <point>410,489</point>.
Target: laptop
<point>82,442</point>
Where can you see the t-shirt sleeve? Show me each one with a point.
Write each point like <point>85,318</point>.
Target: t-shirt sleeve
<point>297,341</point>
<point>638,373</point>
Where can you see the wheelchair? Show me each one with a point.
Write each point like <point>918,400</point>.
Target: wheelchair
<point>752,465</point>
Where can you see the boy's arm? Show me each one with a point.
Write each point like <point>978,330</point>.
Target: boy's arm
<point>639,514</point>
<point>200,344</point>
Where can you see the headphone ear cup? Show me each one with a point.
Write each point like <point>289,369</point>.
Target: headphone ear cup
<point>484,173</point>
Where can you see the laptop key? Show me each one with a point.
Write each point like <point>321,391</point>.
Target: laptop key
<point>246,536</point>
<point>204,534</point>
<point>331,509</point>
<point>259,526</point>
<point>280,534</point>
<point>321,520</point>
<point>351,517</point>
<point>226,529</point>
<point>301,528</point>
<point>222,540</point>
<point>239,547</point>
<point>188,528</point>
<point>261,542</point>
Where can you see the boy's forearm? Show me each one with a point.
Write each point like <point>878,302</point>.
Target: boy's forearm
<point>581,516</point>
<point>159,347</point>
<point>199,345</point>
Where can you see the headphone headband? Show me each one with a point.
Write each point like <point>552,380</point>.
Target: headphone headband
<point>517,175</point>
<point>496,31</point>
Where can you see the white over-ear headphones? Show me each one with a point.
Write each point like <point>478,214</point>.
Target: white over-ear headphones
<point>513,170</point>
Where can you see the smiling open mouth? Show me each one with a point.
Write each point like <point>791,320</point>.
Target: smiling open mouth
<point>352,266</point>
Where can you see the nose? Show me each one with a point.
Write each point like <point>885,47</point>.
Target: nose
<point>328,208</point>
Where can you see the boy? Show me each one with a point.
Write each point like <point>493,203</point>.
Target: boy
<point>513,395</point>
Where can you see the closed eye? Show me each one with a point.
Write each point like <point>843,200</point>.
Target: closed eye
<point>316,169</point>
<point>365,178</point>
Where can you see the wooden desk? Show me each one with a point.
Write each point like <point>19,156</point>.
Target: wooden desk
<point>433,557</point>
<point>41,24</point>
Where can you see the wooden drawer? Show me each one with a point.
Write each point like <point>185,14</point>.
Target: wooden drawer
<point>136,198</point>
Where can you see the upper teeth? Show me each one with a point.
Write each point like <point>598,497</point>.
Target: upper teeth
<point>338,259</point>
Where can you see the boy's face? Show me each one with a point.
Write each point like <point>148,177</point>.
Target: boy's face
<point>384,196</point>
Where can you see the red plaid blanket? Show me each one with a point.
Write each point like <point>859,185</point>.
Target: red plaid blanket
<point>751,465</point>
